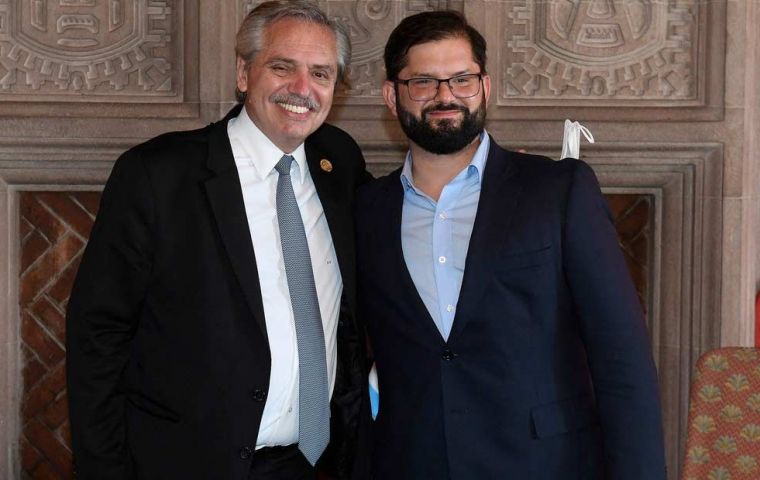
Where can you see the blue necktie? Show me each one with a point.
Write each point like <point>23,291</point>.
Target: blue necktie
<point>313,397</point>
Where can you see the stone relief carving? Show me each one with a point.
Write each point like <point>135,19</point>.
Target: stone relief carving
<point>369,22</point>
<point>66,48</point>
<point>621,50</point>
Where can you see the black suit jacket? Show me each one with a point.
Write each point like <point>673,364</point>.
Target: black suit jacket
<point>547,373</point>
<point>167,353</point>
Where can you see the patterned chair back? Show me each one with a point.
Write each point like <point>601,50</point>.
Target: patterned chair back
<point>723,440</point>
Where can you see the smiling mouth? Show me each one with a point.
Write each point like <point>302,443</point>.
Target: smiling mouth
<point>293,108</point>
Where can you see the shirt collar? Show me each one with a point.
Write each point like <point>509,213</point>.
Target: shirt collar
<point>476,166</point>
<point>258,151</point>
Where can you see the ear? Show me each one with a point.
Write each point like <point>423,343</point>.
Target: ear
<point>241,75</point>
<point>389,95</point>
<point>487,87</point>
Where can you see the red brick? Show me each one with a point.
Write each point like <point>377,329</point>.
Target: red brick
<point>50,447</point>
<point>33,371</point>
<point>50,317</point>
<point>72,214</point>
<point>39,341</point>
<point>40,217</point>
<point>61,288</point>
<point>56,413</point>
<point>47,268</point>
<point>45,471</point>
<point>24,228</point>
<point>89,200</point>
<point>35,401</point>
<point>55,381</point>
<point>619,203</point>
<point>32,248</point>
<point>65,433</point>
<point>30,457</point>
<point>42,396</point>
<point>633,220</point>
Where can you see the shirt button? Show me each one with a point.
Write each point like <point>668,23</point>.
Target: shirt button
<point>441,259</point>
<point>442,216</point>
<point>450,308</point>
<point>290,410</point>
<point>245,452</point>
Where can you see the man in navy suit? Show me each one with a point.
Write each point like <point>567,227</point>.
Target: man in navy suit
<point>508,337</point>
<point>184,347</point>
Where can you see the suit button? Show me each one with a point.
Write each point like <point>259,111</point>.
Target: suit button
<point>447,354</point>
<point>259,395</point>
<point>246,452</point>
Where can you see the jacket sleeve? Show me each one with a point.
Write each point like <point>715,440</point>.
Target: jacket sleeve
<point>102,318</point>
<point>614,333</point>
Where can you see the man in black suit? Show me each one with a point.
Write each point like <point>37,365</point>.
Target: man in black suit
<point>185,325</point>
<point>508,338</point>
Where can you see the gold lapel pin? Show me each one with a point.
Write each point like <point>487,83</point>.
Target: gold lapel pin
<point>325,165</point>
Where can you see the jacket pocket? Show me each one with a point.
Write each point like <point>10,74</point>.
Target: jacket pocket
<point>151,407</point>
<point>525,259</point>
<point>563,416</point>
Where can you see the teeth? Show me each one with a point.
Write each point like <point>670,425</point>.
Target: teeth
<point>293,108</point>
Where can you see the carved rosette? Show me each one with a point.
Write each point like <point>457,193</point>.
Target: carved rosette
<point>624,51</point>
<point>65,48</point>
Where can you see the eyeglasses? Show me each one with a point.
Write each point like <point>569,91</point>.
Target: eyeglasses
<point>461,86</point>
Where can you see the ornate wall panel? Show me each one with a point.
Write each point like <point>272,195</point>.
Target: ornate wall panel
<point>607,54</point>
<point>42,234</point>
<point>95,52</point>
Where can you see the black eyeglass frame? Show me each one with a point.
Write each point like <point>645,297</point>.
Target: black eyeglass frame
<point>438,85</point>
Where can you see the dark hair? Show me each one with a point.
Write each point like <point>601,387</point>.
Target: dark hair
<point>430,27</point>
<point>250,37</point>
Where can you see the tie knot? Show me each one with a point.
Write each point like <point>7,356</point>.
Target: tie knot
<point>283,166</point>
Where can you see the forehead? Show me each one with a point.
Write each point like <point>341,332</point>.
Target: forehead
<point>299,40</point>
<point>449,55</point>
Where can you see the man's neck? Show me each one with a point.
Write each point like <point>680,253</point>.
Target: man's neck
<point>432,172</point>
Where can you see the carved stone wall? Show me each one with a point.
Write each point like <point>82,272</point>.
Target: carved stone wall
<point>91,52</point>
<point>668,87</point>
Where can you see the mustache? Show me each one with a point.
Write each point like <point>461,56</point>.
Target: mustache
<point>297,100</point>
<point>444,107</point>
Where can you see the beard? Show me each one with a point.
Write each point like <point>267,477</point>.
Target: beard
<point>446,136</point>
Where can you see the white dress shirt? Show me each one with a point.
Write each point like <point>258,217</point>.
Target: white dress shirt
<point>255,158</point>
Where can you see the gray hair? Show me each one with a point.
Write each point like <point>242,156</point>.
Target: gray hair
<point>249,40</point>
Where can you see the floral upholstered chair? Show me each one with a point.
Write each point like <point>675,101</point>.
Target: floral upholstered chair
<point>724,417</point>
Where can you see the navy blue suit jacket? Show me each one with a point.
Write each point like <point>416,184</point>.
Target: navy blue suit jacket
<point>547,373</point>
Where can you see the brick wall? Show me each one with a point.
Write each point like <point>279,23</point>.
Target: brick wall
<point>54,227</point>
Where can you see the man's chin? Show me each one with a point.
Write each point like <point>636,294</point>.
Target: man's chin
<point>443,124</point>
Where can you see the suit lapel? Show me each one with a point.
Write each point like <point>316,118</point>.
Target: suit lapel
<point>331,183</point>
<point>226,199</point>
<point>390,224</point>
<point>498,200</point>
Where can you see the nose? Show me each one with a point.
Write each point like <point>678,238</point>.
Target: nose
<point>300,83</point>
<point>444,92</point>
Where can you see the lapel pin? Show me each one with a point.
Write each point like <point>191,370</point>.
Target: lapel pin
<point>325,165</point>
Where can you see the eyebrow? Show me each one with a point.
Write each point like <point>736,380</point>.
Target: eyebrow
<point>292,62</point>
<point>431,75</point>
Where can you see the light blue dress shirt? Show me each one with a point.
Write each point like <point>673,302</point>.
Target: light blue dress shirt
<point>435,235</point>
